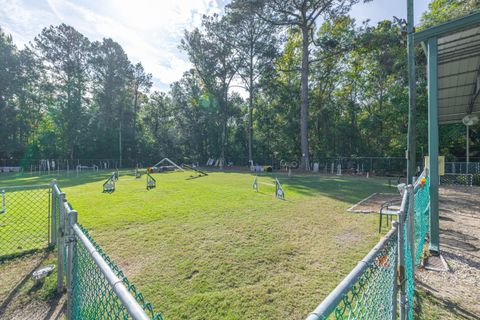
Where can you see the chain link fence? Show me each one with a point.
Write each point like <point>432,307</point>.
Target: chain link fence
<point>371,290</point>
<point>25,220</point>
<point>37,217</point>
<point>96,287</point>
<point>462,167</point>
<point>53,165</point>
<point>457,179</point>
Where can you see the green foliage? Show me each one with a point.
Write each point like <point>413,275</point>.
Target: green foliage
<point>476,179</point>
<point>64,96</point>
<point>444,10</point>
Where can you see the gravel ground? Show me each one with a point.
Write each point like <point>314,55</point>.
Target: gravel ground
<point>459,288</point>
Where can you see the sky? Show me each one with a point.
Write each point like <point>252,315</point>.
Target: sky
<point>149,31</point>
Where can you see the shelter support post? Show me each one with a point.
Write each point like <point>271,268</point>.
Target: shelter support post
<point>432,71</point>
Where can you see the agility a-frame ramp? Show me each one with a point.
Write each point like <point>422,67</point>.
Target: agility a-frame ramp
<point>170,162</point>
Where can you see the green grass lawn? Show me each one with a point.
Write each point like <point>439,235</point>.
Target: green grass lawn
<point>212,248</point>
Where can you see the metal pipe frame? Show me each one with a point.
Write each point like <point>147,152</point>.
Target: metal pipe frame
<point>433,142</point>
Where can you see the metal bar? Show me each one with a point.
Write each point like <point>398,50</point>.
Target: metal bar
<point>49,227</point>
<point>467,138</point>
<point>395,284</point>
<point>61,243</point>
<point>34,186</point>
<point>54,215</point>
<point>331,301</point>
<point>72,220</point>
<point>401,256</point>
<point>132,306</point>
<point>411,223</point>
<point>432,71</point>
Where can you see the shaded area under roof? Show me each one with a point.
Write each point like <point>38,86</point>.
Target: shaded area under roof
<point>458,67</point>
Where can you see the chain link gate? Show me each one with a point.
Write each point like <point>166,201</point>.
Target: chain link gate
<point>96,287</point>
<point>39,217</point>
<point>25,220</point>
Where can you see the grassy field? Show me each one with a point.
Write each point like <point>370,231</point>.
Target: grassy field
<point>212,248</point>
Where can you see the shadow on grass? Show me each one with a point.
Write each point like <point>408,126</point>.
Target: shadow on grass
<point>22,285</point>
<point>425,296</point>
<point>345,188</point>
<point>63,179</point>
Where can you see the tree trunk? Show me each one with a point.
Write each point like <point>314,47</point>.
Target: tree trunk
<point>305,162</point>
<point>135,102</point>
<point>250,121</point>
<point>224,131</point>
<point>120,144</point>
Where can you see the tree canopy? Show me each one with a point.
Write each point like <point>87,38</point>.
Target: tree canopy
<point>270,80</point>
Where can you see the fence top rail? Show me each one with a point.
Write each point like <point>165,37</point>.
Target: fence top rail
<point>56,188</point>
<point>33,186</point>
<point>326,307</point>
<point>132,306</point>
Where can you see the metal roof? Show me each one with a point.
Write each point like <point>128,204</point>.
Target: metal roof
<point>458,67</point>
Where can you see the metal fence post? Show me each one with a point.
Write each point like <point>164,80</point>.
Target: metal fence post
<point>61,242</point>
<point>411,223</point>
<point>71,221</point>
<point>401,259</point>
<point>395,284</point>
<point>53,239</point>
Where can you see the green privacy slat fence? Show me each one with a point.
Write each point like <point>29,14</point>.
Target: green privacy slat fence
<point>420,213</point>
<point>370,291</point>
<point>409,275</point>
<point>422,217</point>
<point>24,219</point>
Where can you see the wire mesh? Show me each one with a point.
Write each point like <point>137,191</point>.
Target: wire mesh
<point>372,294</point>
<point>92,295</point>
<point>25,222</point>
<point>458,179</point>
<point>422,217</point>
<point>409,274</point>
<point>462,167</point>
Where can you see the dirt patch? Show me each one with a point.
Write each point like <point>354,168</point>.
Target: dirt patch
<point>23,298</point>
<point>372,203</point>
<point>459,245</point>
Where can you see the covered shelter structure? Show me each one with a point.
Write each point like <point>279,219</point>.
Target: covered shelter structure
<point>453,73</point>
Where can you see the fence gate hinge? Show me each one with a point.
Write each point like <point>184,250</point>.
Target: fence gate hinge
<point>70,239</point>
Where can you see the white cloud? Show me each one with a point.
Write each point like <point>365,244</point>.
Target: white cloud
<point>149,31</point>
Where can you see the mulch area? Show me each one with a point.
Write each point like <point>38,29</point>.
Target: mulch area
<point>458,288</point>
